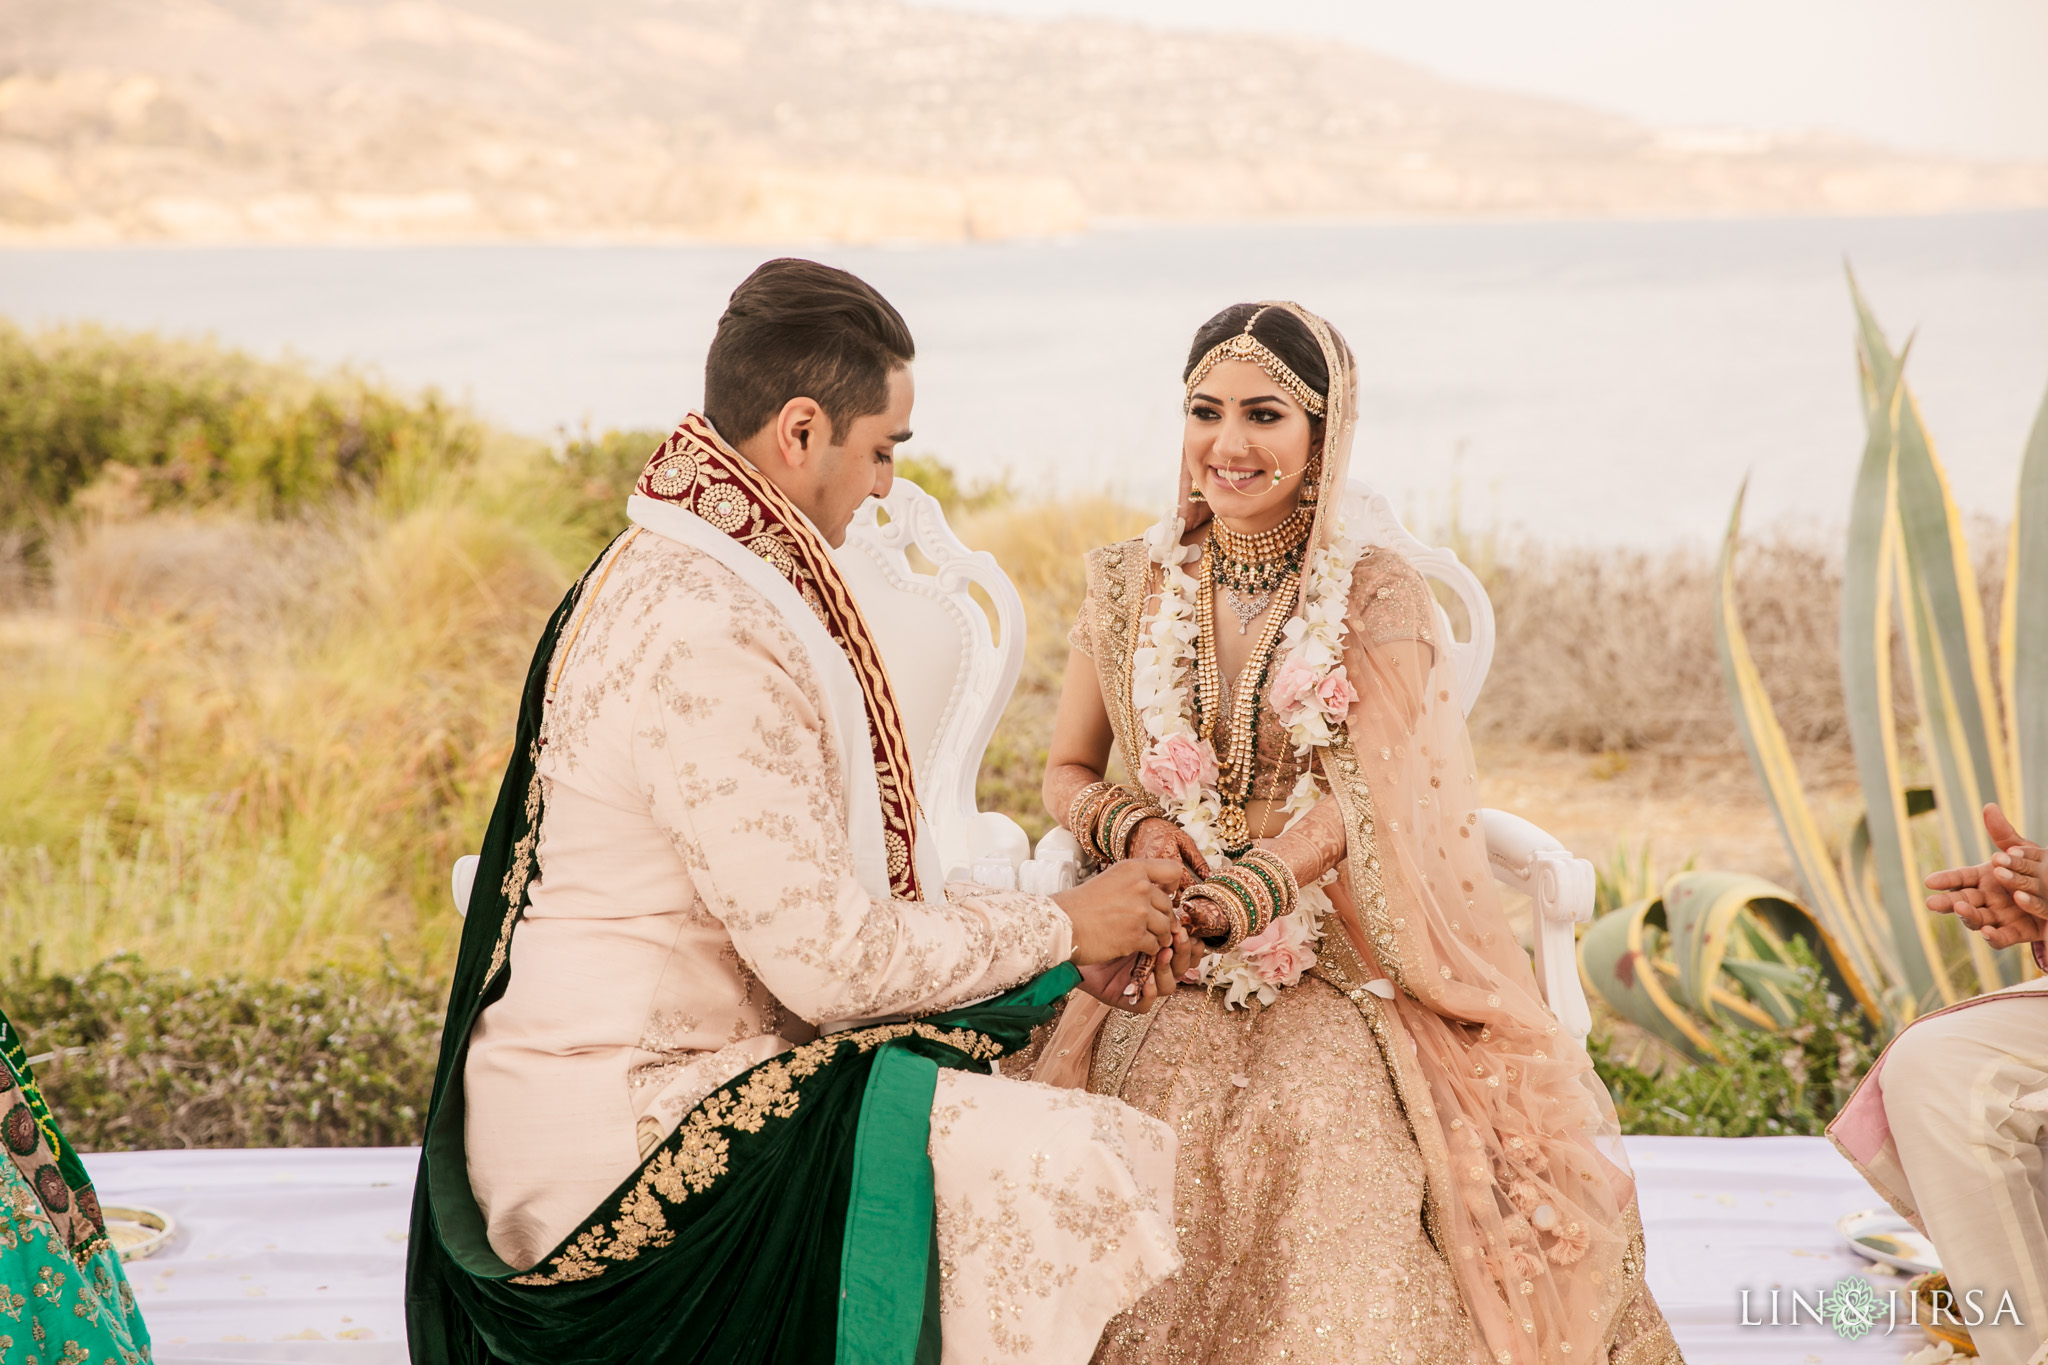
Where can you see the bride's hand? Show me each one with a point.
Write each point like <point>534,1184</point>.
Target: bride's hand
<point>1204,918</point>
<point>1156,838</point>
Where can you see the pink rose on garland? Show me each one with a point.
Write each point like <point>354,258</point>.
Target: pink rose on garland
<point>1294,688</point>
<point>1335,694</point>
<point>1177,767</point>
<point>1280,952</point>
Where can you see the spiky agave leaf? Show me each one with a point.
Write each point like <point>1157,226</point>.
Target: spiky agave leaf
<point>1737,924</point>
<point>1961,736</point>
<point>2024,631</point>
<point>1623,960</point>
<point>1863,940</point>
<point>1713,949</point>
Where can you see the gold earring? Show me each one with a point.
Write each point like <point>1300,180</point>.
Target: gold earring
<point>1195,494</point>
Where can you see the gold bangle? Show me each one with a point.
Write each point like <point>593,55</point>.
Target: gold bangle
<point>1076,818</point>
<point>1119,841</point>
<point>1276,876</point>
<point>1227,899</point>
<point>1250,893</point>
<point>1081,813</point>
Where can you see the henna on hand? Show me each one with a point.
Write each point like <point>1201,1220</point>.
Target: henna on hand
<point>1156,838</point>
<point>1205,918</point>
<point>1061,784</point>
<point>1313,845</point>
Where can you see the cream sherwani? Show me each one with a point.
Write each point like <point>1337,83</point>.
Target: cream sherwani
<point>707,898</point>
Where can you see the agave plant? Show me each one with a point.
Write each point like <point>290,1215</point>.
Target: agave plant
<point>1714,947</point>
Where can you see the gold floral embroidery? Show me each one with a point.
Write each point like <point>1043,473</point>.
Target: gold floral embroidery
<point>519,873</point>
<point>692,1160</point>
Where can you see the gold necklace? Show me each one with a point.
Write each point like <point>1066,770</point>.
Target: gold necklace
<point>1237,755</point>
<point>1271,543</point>
<point>1249,568</point>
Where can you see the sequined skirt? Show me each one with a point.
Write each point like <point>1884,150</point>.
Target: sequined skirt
<point>1298,1196</point>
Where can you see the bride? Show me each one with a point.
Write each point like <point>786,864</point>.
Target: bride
<point>1388,1149</point>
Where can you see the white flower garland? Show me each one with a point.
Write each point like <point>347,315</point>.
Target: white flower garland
<point>1179,767</point>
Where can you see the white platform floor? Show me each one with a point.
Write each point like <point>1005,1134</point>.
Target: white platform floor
<point>298,1256</point>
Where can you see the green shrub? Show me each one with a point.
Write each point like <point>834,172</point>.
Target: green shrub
<point>155,423</point>
<point>1771,1084</point>
<point>153,1059</point>
<point>943,482</point>
<point>582,487</point>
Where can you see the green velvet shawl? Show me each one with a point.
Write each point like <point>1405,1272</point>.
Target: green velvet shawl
<point>788,1218</point>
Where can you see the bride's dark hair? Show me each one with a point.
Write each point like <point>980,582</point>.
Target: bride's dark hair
<point>1286,335</point>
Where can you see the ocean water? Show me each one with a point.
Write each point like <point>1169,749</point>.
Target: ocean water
<point>1592,382</point>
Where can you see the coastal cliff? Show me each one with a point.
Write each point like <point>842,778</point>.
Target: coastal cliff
<point>836,120</point>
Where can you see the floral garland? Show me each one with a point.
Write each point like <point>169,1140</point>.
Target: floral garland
<point>1311,693</point>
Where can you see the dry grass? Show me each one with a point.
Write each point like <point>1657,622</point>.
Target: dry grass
<point>1613,650</point>
<point>239,745</point>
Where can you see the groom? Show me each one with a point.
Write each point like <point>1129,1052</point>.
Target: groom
<point>715,1082</point>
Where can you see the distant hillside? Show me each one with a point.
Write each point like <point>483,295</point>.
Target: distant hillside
<point>316,120</point>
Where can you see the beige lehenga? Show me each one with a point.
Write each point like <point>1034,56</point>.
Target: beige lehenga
<point>1401,1158</point>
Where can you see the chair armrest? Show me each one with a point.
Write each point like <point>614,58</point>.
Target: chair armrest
<point>462,881</point>
<point>1560,888</point>
<point>1057,867</point>
<point>1000,848</point>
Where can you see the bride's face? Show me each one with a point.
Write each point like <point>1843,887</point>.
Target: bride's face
<point>1242,430</point>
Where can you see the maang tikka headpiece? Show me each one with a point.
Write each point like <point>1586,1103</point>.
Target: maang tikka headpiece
<point>1245,346</point>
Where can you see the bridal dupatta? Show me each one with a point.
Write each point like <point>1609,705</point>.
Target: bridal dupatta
<point>790,1214</point>
<point>1528,1197</point>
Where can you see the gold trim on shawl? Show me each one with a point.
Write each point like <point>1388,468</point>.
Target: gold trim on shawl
<point>1116,1047</point>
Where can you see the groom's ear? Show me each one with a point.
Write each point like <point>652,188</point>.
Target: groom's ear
<point>801,430</point>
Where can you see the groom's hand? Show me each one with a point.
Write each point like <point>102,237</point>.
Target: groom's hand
<point>1126,909</point>
<point>2004,900</point>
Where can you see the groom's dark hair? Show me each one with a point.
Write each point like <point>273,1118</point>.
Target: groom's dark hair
<point>797,329</point>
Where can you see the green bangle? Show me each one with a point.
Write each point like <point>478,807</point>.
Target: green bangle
<point>1269,885</point>
<point>1278,876</point>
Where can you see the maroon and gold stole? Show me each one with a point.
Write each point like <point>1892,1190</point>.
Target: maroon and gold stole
<point>698,471</point>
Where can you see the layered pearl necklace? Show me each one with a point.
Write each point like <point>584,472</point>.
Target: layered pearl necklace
<point>1237,752</point>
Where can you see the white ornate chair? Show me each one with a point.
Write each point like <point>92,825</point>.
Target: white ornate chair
<point>953,676</point>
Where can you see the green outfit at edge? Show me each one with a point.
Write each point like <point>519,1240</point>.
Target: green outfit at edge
<point>63,1298</point>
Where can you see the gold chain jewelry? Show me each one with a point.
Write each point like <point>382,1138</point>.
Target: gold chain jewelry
<point>1273,543</point>
<point>1250,568</point>
<point>1237,756</point>
<point>1245,346</point>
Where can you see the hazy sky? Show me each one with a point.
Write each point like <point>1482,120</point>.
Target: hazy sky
<point>1961,76</point>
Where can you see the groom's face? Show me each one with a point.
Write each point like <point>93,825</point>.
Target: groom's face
<point>861,463</point>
